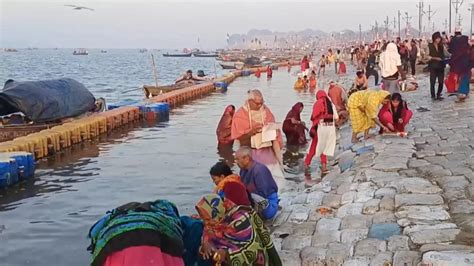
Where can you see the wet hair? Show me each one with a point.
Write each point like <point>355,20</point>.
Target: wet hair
<point>219,169</point>
<point>313,72</point>
<point>358,73</point>
<point>305,77</point>
<point>397,114</point>
<point>189,71</point>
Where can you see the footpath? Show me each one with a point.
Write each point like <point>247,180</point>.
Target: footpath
<point>390,200</point>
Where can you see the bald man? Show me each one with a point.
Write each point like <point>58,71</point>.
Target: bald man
<point>259,183</point>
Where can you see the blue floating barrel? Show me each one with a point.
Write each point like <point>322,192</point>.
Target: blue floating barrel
<point>8,171</point>
<point>246,73</point>
<point>25,162</point>
<point>157,111</point>
<point>221,86</point>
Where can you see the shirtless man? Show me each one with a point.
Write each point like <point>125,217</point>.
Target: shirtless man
<point>188,76</point>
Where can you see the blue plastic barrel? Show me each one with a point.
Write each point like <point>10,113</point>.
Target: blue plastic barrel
<point>25,163</point>
<point>221,86</point>
<point>165,112</point>
<point>8,171</point>
<point>5,175</point>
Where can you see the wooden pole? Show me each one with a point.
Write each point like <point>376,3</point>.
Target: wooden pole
<point>154,69</point>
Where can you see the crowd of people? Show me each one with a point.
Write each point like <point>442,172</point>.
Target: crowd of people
<point>229,227</point>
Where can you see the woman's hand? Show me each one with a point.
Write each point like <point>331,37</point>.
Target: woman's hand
<point>220,255</point>
<point>206,250</point>
<point>400,121</point>
<point>294,121</point>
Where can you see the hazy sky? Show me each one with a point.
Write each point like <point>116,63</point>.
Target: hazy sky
<point>178,24</point>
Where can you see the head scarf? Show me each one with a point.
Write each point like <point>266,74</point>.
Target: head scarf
<point>390,60</point>
<point>225,125</point>
<point>295,111</point>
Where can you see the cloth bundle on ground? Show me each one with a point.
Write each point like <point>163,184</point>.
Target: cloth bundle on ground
<point>136,233</point>
<point>46,101</point>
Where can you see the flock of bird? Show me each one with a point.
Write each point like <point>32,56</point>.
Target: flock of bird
<point>80,7</point>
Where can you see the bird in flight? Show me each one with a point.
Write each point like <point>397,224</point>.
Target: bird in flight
<point>80,7</point>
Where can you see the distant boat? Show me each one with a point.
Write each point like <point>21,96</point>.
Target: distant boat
<point>204,54</point>
<point>231,65</point>
<point>103,51</point>
<point>80,52</point>
<point>178,55</point>
<point>10,50</point>
<point>143,50</point>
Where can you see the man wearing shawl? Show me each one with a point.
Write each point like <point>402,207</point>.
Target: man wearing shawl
<point>323,130</point>
<point>259,183</point>
<point>234,235</point>
<point>293,127</point>
<point>363,110</point>
<point>460,64</point>
<point>247,127</point>
<point>391,67</point>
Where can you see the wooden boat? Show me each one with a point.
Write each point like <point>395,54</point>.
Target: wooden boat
<point>80,52</point>
<point>10,50</point>
<point>178,55</point>
<point>14,131</point>
<point>103,51</point>
<point>231,65</point>
<point>143,50</point>
<point>203,54</point>
<point>152,91</point>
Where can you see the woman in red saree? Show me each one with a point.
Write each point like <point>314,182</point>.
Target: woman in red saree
<point>293,127</point>
<point>225,125</point>
<point>395,115</point>
<point>322,109</point>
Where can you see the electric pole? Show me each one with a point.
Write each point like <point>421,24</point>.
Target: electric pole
<point>387,22</point>
<point>407,21</point>
<point>430,14</point>
<point>472,14</point>
<point>399,30</point>
<point>445,24</point>
<point>360,33</point>
<point>376,30</point>
<point>421,11</point>
<point>450,4</point>
<point>457,5</point>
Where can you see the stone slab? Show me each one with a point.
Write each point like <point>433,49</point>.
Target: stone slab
<point>458,258</point>
<point>369,247</point>
<point>384,231</point>
<point>417,199</point>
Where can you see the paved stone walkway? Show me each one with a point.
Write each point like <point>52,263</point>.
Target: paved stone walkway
<point>390,200</point>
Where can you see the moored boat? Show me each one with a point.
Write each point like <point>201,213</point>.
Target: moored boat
<point>152,91</point>
<point>231,65</point>
<point>80,52</point>
<point>178,55</point>
<point>32,106</point>
<point>204,54</point>
<point>10,50</point>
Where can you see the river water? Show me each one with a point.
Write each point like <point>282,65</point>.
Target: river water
<point>46,220</point>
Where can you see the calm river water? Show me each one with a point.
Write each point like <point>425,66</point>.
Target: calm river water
<point>46,220</point>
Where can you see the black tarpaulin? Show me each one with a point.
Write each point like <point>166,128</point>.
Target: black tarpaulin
<point>45,101</point>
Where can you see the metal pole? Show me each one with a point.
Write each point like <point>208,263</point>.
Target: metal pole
<point>399,30</point>
<point>449,30</point>
<point>360,33</point>
<point>472,13</point>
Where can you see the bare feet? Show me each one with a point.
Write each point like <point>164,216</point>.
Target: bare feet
<point>368,136</point>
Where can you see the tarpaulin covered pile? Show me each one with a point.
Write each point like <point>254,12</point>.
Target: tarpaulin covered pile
<point>46,101</point>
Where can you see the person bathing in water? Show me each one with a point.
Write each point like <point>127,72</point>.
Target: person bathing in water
<point>189,77</point>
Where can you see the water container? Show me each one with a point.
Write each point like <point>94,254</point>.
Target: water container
<point>25,163</point>
<point>5,176</point>
<point>221,86</point>
<point>157,112</point>
<point>165,112</point>
<point>8,171</point>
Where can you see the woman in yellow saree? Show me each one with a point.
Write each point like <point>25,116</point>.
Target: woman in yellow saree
<point>363,110</point>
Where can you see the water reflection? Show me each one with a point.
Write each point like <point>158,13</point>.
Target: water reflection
<point>226,152</point>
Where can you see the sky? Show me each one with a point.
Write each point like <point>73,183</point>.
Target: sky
<point>178,24</point>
